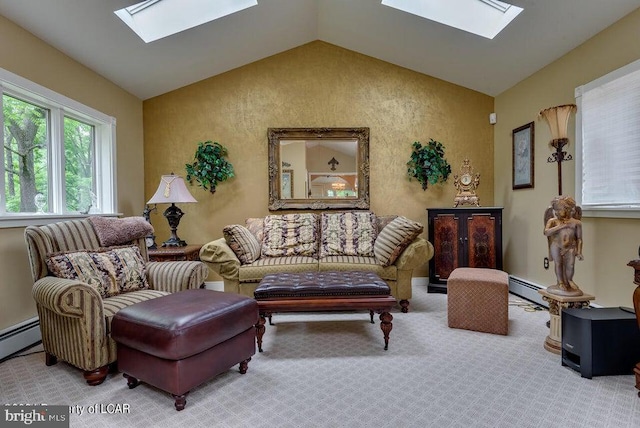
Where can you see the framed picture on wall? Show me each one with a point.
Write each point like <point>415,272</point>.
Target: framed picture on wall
<point>523,174</point>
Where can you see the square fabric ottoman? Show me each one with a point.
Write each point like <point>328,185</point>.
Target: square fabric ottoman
<point>478,299</point>
<point>178,341</point>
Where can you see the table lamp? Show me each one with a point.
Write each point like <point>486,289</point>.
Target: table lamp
<point>172,190</point>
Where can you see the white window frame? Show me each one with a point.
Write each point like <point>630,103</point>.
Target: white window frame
<point>105,150</point>
<point>628,211</point>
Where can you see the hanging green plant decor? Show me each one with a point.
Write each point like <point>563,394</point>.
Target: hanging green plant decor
<point>427,164</point>
<point>210,166</point>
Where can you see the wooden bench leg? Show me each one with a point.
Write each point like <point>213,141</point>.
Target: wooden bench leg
<point>386,325</point>
<point>260,331</point>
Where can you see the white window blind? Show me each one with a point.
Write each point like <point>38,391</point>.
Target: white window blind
<point>608,141</point>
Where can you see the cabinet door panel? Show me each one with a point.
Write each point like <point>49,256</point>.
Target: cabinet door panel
<point>446,244</point>
<point>481,234</point>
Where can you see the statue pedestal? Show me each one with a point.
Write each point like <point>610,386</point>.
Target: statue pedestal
<point>553,342</point>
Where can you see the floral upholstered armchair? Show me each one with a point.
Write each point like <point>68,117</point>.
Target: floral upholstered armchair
<point>84,272</point>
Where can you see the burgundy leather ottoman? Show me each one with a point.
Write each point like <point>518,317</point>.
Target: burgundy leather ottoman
<point>178,341</point>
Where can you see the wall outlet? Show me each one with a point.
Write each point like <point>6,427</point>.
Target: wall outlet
<point>546,262</point>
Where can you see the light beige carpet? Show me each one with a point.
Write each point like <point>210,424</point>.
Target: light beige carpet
<point>330,370</point>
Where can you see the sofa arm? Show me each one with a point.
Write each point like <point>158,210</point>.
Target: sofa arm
<point>176,276</point>
<point>419,252</point>
<point>69,298</point>
<point>221,259</point>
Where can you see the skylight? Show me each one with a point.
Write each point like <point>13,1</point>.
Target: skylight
<point>485,18</point>
<point>155,19</point>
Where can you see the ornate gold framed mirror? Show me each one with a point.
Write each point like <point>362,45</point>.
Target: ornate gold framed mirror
<point>318,168</point>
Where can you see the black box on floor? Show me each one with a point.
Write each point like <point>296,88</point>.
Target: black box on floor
<point>600,341</point>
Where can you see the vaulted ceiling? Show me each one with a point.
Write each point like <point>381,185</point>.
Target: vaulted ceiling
<point>92,34</point>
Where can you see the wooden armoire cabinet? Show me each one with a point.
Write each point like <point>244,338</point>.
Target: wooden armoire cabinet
<point>463,237</point>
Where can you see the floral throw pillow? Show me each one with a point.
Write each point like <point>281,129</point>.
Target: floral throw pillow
<point>348,234</point>
<point>290,235</point>
<point>394,238</point>
<point>133,274</point>
<point>110,271</point>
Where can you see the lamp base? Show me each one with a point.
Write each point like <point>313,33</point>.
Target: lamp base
<point>173,215</point>
<point>174,242</point>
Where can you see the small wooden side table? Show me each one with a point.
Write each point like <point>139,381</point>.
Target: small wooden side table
<point>174,254</point>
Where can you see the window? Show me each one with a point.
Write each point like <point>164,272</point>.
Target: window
<point>608,144</point>
<point>57,158</point>
<point>155,19</point>
<point>484,18</point>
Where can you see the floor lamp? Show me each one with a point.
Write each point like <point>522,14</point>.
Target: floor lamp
<point>172,190</point>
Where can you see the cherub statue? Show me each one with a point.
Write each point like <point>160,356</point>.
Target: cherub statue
<point>563,230</point>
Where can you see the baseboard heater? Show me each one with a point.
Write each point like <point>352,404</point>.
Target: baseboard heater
<point>526,290</point>
<point>19,337</point>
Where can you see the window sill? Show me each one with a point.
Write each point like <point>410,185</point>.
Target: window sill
<point>611,213</point>
<point>23,220</point>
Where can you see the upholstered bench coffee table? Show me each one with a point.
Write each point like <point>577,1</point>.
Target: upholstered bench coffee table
<point>178,341</point>
<point>324,291</point>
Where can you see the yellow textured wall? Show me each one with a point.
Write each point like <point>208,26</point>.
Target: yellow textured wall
<point>608,243</point>
<point>314,85</point>
<point>27,56</point>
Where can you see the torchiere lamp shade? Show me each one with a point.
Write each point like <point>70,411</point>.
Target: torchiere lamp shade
<point>172,190</point>
<point>558,120</point>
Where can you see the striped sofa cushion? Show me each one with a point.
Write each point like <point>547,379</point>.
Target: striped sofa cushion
<point>113,304</point>
<point>266,265</point>
<point>394,238</point>
<point>243,243</point>
<point>357,263</point>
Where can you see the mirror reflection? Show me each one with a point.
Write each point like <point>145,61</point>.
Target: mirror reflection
<point>333,185</point>
<point>324,169</point>
<point>318,168</point>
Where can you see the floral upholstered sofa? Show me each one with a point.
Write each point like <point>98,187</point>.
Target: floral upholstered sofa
<point>390,246</point>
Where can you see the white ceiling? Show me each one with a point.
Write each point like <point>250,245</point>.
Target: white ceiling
<point>89,32</point>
